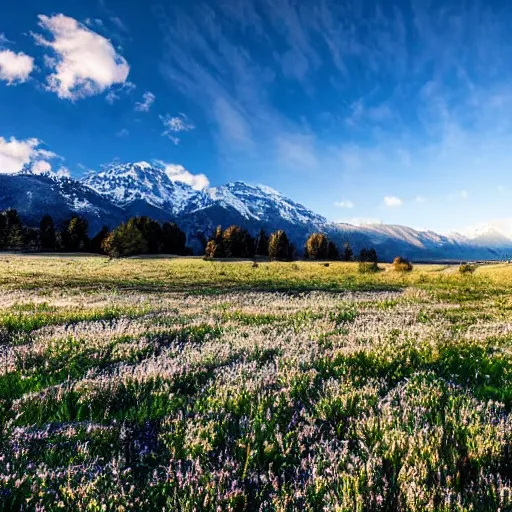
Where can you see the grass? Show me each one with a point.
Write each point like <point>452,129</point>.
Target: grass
<point>184,384</point>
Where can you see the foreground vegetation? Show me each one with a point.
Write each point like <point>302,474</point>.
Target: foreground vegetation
<point>183,384</point>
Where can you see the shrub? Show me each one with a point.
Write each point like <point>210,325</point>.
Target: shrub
<point>401,264</point>
<point>467,268</point>
<point>367,267</point>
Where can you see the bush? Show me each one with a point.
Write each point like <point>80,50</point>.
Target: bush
<point>401,264</point>
<point>367,267</point>
<point>467,268</point>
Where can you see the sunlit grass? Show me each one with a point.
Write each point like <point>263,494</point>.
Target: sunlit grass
<point>182,384</point>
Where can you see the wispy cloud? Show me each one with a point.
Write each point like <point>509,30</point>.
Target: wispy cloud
<point>344,204</point>
<point>3,40</point>
<point>174,125</point>
<point>392,201</point>
<point>148,98</point>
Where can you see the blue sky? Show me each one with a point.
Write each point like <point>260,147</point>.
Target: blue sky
<point>364,110</point>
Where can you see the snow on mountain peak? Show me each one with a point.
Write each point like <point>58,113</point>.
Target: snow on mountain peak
<point>157,185</point>
<point>140,181</point>
<point>261,203</point>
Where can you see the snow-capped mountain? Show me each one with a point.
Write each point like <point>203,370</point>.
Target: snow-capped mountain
<point>260,202</point>
<point>35,195</point>
<point>124,184</point>
<point>120,191</point>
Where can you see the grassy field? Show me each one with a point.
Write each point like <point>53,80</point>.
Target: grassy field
<point>182,384</point>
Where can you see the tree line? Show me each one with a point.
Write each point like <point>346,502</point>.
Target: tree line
<point>139,235</point>
<point>237,242</point>
<point>143,235</point>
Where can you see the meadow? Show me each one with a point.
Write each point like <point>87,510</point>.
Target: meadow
<point>190,385</point>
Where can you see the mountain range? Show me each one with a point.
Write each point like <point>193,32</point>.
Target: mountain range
<point>121,191</point>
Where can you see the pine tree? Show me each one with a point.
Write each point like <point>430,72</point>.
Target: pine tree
<point>348,253</point>
<point>215,246</point>
<point>173,239</point>
<point>262,244</point>
<point>96,243</point>
<point>3,231</point>
<point>47,238</point>
<point>363,255</point>
<point>151,231</point>
<point>74,235</point>
<point>11,230</point>
<point>125,240</point>
<point>333,253</point>
<point>279,246</point>
<point>317,247</point>
<point>372,255</point>
<point>237,243</point>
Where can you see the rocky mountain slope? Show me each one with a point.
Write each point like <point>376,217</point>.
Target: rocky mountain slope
<point>121,191</point>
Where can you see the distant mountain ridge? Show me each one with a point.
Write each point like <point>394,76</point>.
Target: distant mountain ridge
<point>120,191</point>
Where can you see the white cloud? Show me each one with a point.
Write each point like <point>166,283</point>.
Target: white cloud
<point>344,204</point>
<point>392,201</point>
<point>148,98</point>
<point>297,151</point>
<point>15,155</point>
<point>3,39</point>
<point>361,221</point>
<point>15,67</point>
<point>462,194</point>
<point>421,199</point>
<point>86,63</point>
<point>123,133</point>
<point>45,168</point>
<point>115,92</point>
<point>179,173</point>
<point>41,167</point>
